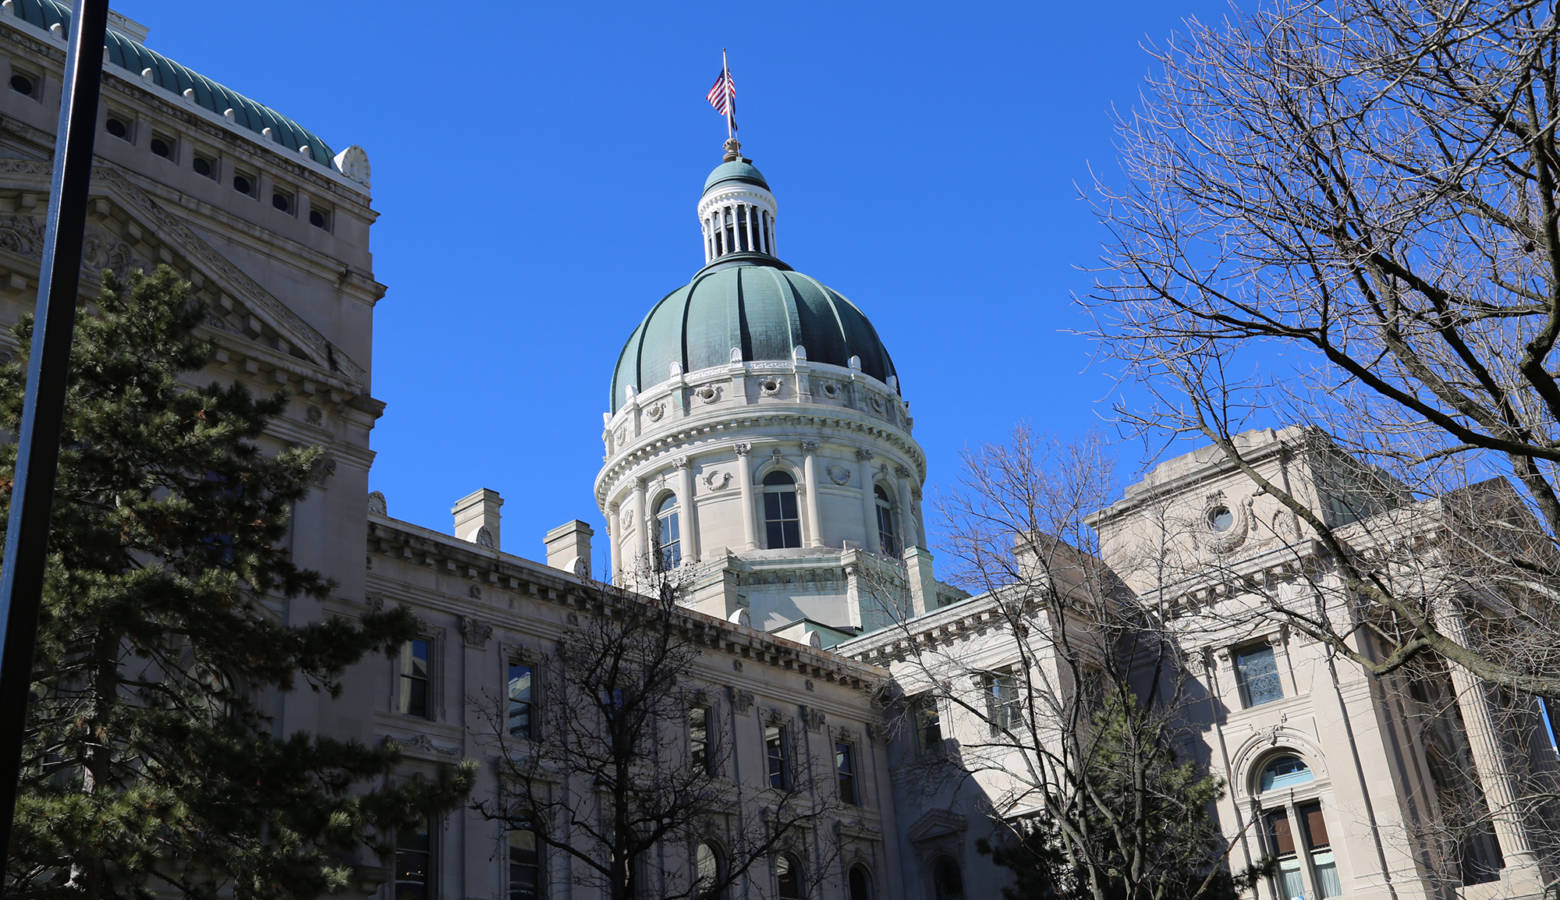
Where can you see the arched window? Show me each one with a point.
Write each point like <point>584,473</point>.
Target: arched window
<point>1295,831</point>
<point>668,549</point>
<point>525,863</point>
<point>788,877</point>
<point>782,524</point>
<point>860,883</point>
<point>947,880</point>
<point>1284,771</point>
<point>888,535</point>
<point>708,871</point>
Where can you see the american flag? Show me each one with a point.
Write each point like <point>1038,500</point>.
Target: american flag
<point>723,95</point>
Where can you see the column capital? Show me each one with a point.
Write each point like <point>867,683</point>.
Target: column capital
<point>742,448</point>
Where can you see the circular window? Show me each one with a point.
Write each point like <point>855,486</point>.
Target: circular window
<point>243,185</point>
<point>1220,519</point>
<point>22,84</point>
<point>118,128</point>
<point>161,148</point>
<point>202,166</point>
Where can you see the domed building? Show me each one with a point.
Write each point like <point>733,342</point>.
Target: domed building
<point>758,447</point>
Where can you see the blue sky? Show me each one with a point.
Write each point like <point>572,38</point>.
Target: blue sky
<point>536,170</point>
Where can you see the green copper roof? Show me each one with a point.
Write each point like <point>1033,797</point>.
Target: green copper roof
<point>754,302</point>
<point>128,54</point>
<point>738,170</point>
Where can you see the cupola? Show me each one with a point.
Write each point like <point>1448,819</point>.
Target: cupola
<point>736,211</point>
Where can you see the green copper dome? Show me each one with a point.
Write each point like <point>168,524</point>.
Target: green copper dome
<point>737,170</point>
<point>754,302</point>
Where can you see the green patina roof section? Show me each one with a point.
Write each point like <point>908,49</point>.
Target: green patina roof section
<point>131,55</point>
<point>761,306</point>
<point>738,170</point>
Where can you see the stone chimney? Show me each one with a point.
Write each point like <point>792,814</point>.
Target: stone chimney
<point>476,518</point>
<point>568,548</point>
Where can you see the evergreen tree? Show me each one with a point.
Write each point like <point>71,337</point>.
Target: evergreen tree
<point>150,763</point>
<point>1136,823</point>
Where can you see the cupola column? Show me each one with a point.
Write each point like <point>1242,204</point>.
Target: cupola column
<point>614,539</point>
<point>745,481</point>
<point>815,524</point>
<point>737,211</point>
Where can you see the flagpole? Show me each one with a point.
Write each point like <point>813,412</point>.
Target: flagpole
<point>731,101</point>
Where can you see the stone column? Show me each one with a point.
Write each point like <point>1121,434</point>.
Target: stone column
<point>745,482</point>
<point>641,527</point>
<point>690,524</point>
<point>809,474</point>
<point>614,535</point>
<point>1488,759</point>
<point>868,502</point>
<point>909,534</point>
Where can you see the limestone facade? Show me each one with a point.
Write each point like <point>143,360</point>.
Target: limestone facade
<point>273,231</point>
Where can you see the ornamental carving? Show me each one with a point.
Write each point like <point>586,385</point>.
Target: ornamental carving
<point>865,455</point>
<point>22,235</point>
<point>831,390</point>
<point>376,503</point>
<point>769,387</point>
<point>839,475</point>
<point>323,469</point>
<point>485,539</point>
<point>314,414</point>
<point>742,448</point>
<point>707,394</point>
<point>475,633</point>
<point>813,719</point>
<point>809,446</point>
<point>877,404</point>
<point>741,701</point>
<point>902,472</point>
<point>656,411</point>
<point>715,480</point>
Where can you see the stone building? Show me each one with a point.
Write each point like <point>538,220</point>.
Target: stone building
<point>759,447</point>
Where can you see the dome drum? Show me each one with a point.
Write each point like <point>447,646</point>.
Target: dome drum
<point>744,389</point>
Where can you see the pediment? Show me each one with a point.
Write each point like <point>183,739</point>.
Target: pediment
<point>935,824</point>
<point>127,230</point>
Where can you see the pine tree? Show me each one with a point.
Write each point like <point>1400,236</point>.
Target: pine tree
<point>150,763</point>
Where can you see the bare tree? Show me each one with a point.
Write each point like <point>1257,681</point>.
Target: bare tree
<point>1070,708</point>
<point>1347,213</point>
<point>618,769</point>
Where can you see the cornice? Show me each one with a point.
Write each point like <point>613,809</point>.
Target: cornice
<point>419,546</point>
<point>742,425</point>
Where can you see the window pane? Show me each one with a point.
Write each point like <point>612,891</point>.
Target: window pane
<point>1291,884</point>
<point>774,751</point>
<point>1257,672</point>
<point>698,737</point>
<point>414,863</point>
<point>845,767</point>
<point>1285,771</point>
<point>860,884</point>
<point>519,700</point>
<point>524,865</point>
<point>1326,869</point>
<point>788,878</point>
<point>1279,836</point>
<point>1315,828</point>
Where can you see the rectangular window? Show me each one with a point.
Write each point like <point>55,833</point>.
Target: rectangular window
<point>1004,708</point>
<point>415,671</point>
<point>414,859</point>
<point>519,692</point>
<point>774,754</point>
<point>699,738</point>
<point>1281,843</point>
<point>525,864</point>
<point>1323,865</point>
<point>927,725</point>
<point>845,772</point>
<point>1256,671</point>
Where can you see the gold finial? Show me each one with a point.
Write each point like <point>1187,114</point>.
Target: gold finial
<point>733,150</point>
